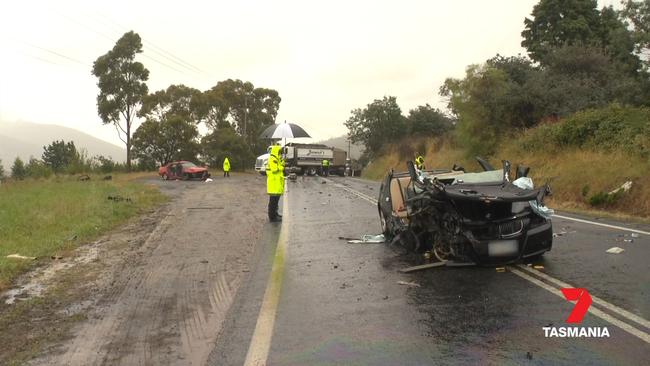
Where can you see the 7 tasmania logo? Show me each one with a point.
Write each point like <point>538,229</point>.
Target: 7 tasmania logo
<point>583,302</point>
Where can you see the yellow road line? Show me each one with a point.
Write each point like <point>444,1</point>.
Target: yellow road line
<point>258,351</point>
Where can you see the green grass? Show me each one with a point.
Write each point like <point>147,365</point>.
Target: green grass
<point>40,218</point>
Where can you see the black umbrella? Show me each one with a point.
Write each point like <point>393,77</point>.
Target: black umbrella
<point>283,130</point>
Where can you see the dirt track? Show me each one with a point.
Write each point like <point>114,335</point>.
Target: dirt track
<point>165,301</point>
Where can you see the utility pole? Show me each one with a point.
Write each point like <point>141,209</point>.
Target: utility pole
<point>245,117</point>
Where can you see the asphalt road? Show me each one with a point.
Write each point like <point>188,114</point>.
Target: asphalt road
<point>313,299</point>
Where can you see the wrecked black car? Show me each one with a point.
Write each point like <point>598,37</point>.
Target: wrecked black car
<point>469,218</point>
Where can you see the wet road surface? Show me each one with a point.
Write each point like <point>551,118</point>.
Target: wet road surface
<point>341,303</point>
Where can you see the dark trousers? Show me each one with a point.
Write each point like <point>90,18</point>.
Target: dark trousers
<point>226,174</point>
<point>274,200</point>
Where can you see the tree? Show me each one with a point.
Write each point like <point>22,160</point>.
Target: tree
<point>172,138</point>
<point>122,87</point>
<point>178,100</point>
<point>170,130</point>
<point>2,171</point>
<point>380,123</point>
<point>18,170</point>
<point>576,78</point>
<point>226,142</point>
<point>37,169</point>
<point>237,104</point>
<point>477,101</point>
<point>59,154</point>
<point>637,13</point>
<point>557,23</point>
<point>427,121</point>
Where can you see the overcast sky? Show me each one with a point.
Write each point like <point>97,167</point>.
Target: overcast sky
<point>324,58</point>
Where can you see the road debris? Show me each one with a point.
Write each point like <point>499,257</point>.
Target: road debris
<point>634,235</point>
<point>500,269</point>
<point>625,187</point>
<point>118,198</point>
<point>56,257</point>
<point>422,266</point>
<point>410,284</point>
<point>368,239</point>
<point>209,180</point>
<point>18,256</point>
<point>615,250</point>
<point>538,267</point>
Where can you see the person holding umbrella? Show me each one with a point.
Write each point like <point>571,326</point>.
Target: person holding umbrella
<point>226,167</point>
<point>275,182</point>
<point>275,165</point>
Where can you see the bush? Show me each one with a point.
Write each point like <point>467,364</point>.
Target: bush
<point>611,128</point>
<point>37,169</point>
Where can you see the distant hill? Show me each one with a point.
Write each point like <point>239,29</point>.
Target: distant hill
<point>342,143</point>
<point>23,139</point>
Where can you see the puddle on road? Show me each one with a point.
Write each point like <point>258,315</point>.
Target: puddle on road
<point>37,282</point>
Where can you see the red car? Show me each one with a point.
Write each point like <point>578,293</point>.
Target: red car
<point>183,170</point>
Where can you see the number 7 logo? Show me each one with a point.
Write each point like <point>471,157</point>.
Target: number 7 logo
<point>581,295</point>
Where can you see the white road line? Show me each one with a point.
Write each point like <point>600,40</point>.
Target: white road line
<point>603,225</point>
<point>622,312</point>
<point>611,307</point>
<point>593,310</point>
<point>258,350</point>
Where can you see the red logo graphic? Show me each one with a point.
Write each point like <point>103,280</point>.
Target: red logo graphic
<point>581,295</point>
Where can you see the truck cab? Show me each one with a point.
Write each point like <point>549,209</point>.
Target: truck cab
<point>261,162</point>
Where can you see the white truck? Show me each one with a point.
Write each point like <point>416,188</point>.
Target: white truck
<point>260,163</point>
<point>307,159</point>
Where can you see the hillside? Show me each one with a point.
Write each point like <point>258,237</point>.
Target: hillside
<point>582,157</point>
<point>23,139</point>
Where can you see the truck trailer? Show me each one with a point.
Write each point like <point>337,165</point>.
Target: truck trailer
<point>308,159</point>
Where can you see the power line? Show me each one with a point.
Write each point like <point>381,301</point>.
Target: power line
<point>153,47</point>
<point>113,39</point>
<point>57,54</point>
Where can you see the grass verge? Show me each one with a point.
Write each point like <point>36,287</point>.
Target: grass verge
<point>41,218</point>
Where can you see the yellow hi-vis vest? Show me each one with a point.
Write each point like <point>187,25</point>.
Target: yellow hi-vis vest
<point>275,172</point>
<point>226,165</point>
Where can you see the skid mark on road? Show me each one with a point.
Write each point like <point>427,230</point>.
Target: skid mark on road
<point>167,300</point>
